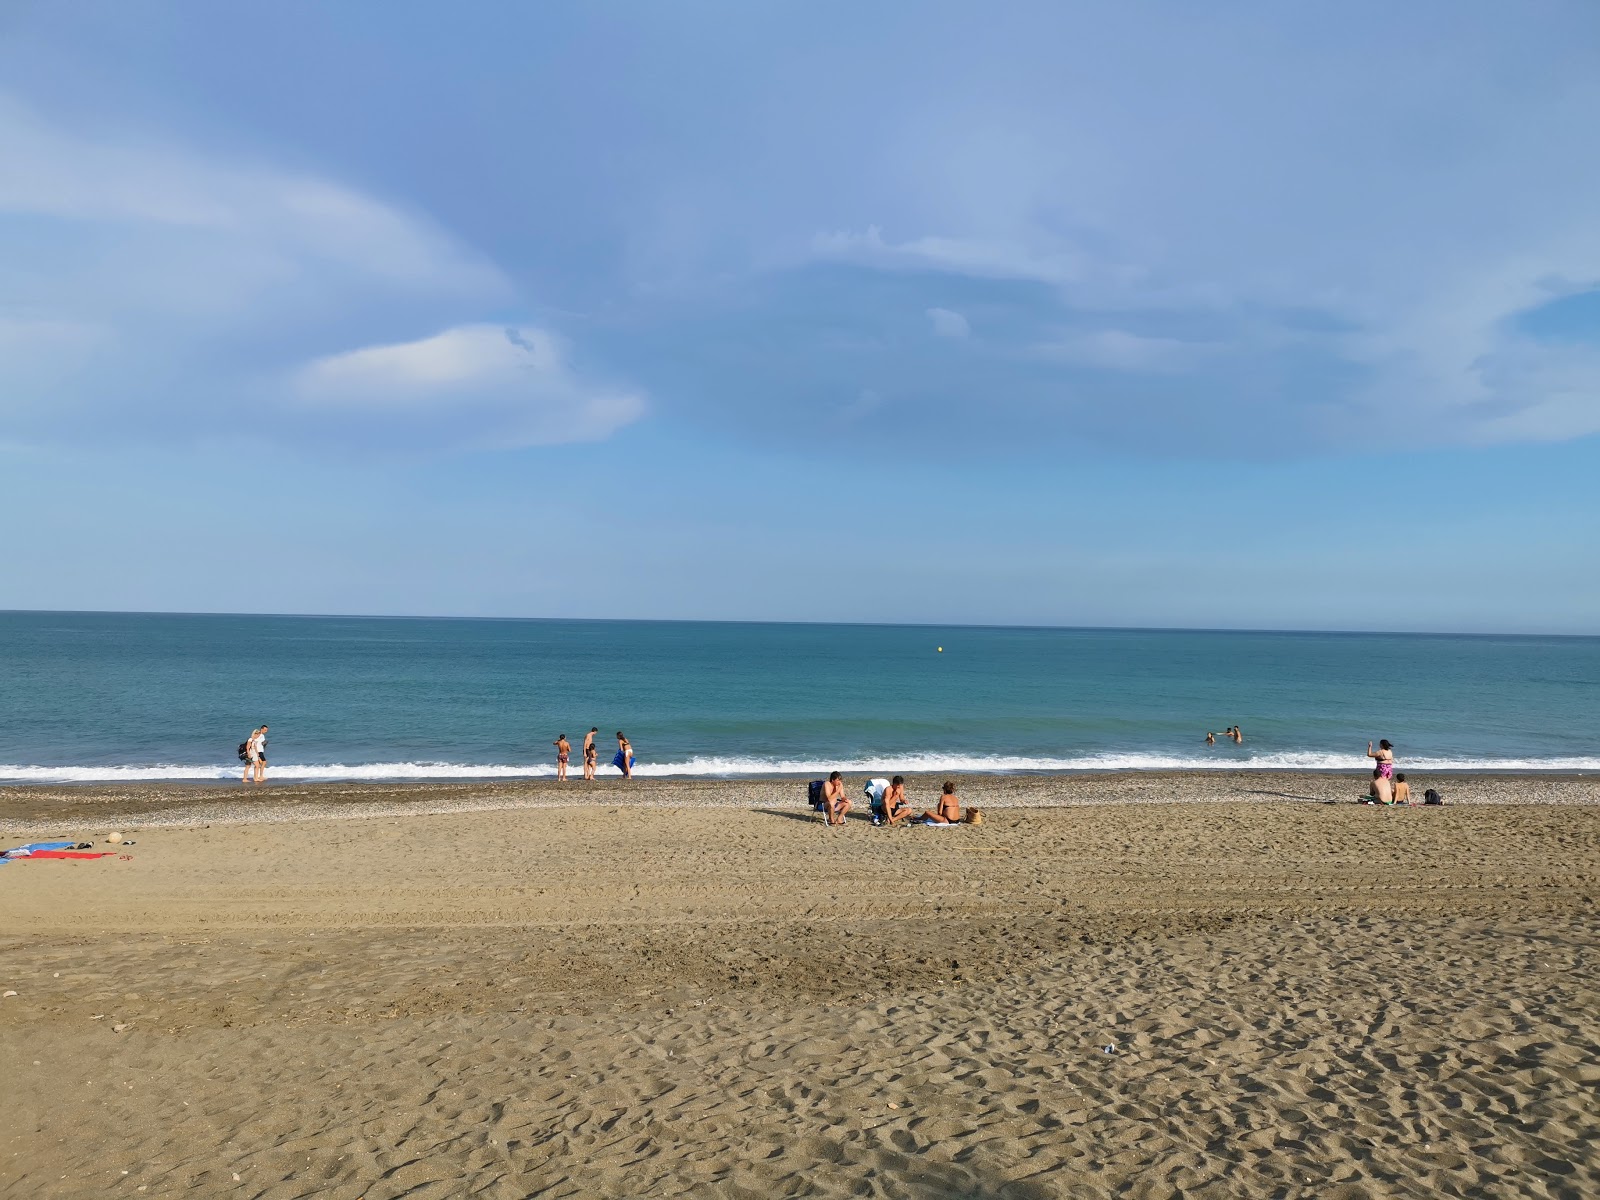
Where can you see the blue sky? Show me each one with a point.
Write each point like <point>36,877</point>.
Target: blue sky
<point>1236,315</point>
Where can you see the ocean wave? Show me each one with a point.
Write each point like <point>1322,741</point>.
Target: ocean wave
<point>735,767</point>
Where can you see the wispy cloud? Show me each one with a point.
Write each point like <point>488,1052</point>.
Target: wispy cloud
<point>151,287</point>
<point>955,255</point>
<point>948,323</point>
<point>1119,350</point>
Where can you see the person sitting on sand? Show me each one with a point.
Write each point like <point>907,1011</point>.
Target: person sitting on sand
<point>563,752</point>
<point>834,802</point>
<point>1384,755</point>
<point>895,807</point>
<point>1402,791</point>
<point>1380,791</point>
<point>949,810</point>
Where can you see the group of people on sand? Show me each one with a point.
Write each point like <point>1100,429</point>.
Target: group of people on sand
<point>887,801</point>
<point>1232,733</point>
<point>591,754</point>
<point>1386,786</point>
<point>253,750</point>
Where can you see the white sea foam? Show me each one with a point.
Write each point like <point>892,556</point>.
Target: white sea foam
<point>736,767</point>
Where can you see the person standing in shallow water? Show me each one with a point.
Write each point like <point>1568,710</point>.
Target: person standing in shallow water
<point>624,757</point>
<point>563,753</point>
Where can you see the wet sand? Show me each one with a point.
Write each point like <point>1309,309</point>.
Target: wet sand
<point>698,990</point>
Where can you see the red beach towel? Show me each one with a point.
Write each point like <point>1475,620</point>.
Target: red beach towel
<point>66,854</point>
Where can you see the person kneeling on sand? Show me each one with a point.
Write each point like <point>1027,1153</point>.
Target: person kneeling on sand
<point>895,807</point>
<point>1381,791</point>
<point>949,810</point>
<point>834,802</point>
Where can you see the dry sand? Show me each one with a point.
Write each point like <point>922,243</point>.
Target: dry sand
<point>644,999</point>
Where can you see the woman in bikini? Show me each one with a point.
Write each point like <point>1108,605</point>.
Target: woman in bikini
<point>624,756</point>
<point>949,810</point>
<point>563,752</point>
<point>590,754</point>
<point>1384,755</point>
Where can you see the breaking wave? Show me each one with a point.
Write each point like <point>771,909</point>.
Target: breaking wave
<point>713,767</point>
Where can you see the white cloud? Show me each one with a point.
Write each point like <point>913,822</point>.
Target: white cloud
<point>513,383</point>
<point>948,323</point>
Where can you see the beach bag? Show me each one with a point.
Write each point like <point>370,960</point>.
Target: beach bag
<point>1431,797</point>
<point>244,751</point>
<point>973,816</point>
<point>814,794</point>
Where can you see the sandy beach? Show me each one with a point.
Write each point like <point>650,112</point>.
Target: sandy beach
<point>692,988</point>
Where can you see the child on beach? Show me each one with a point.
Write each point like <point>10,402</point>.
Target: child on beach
<point>590,754</point>
<point>1402,791</point>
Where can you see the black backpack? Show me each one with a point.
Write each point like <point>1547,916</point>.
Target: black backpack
<point>814,794</point>
<point>1432,797</point>
<point>244,751</point>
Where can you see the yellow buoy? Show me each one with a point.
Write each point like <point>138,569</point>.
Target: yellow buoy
<point>941,649</point>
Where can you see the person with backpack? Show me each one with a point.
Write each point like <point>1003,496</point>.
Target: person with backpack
<point>254,752</point>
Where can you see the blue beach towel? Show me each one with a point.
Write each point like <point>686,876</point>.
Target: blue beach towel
<point>24,851</point>
<point>617,761</point>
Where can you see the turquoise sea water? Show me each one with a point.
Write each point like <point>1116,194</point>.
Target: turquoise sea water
<point>124,696</point>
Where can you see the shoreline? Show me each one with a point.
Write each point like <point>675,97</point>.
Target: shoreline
<point>43,808</point>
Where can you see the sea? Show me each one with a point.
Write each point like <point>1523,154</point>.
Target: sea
<point>99,697</point>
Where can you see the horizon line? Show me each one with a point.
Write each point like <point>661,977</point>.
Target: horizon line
<point>111,612</point>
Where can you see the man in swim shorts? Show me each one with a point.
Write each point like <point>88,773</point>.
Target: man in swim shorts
<point>1381,790</point>
<point>895,807</point>
<point>834,802</point>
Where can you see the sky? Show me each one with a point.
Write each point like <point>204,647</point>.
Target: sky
<point>1243,315</point>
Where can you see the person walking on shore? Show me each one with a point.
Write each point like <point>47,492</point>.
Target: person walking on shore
<point>624,758</point>
<point>590,754</point>
<point>255,756</point>
<point>563,752</point>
